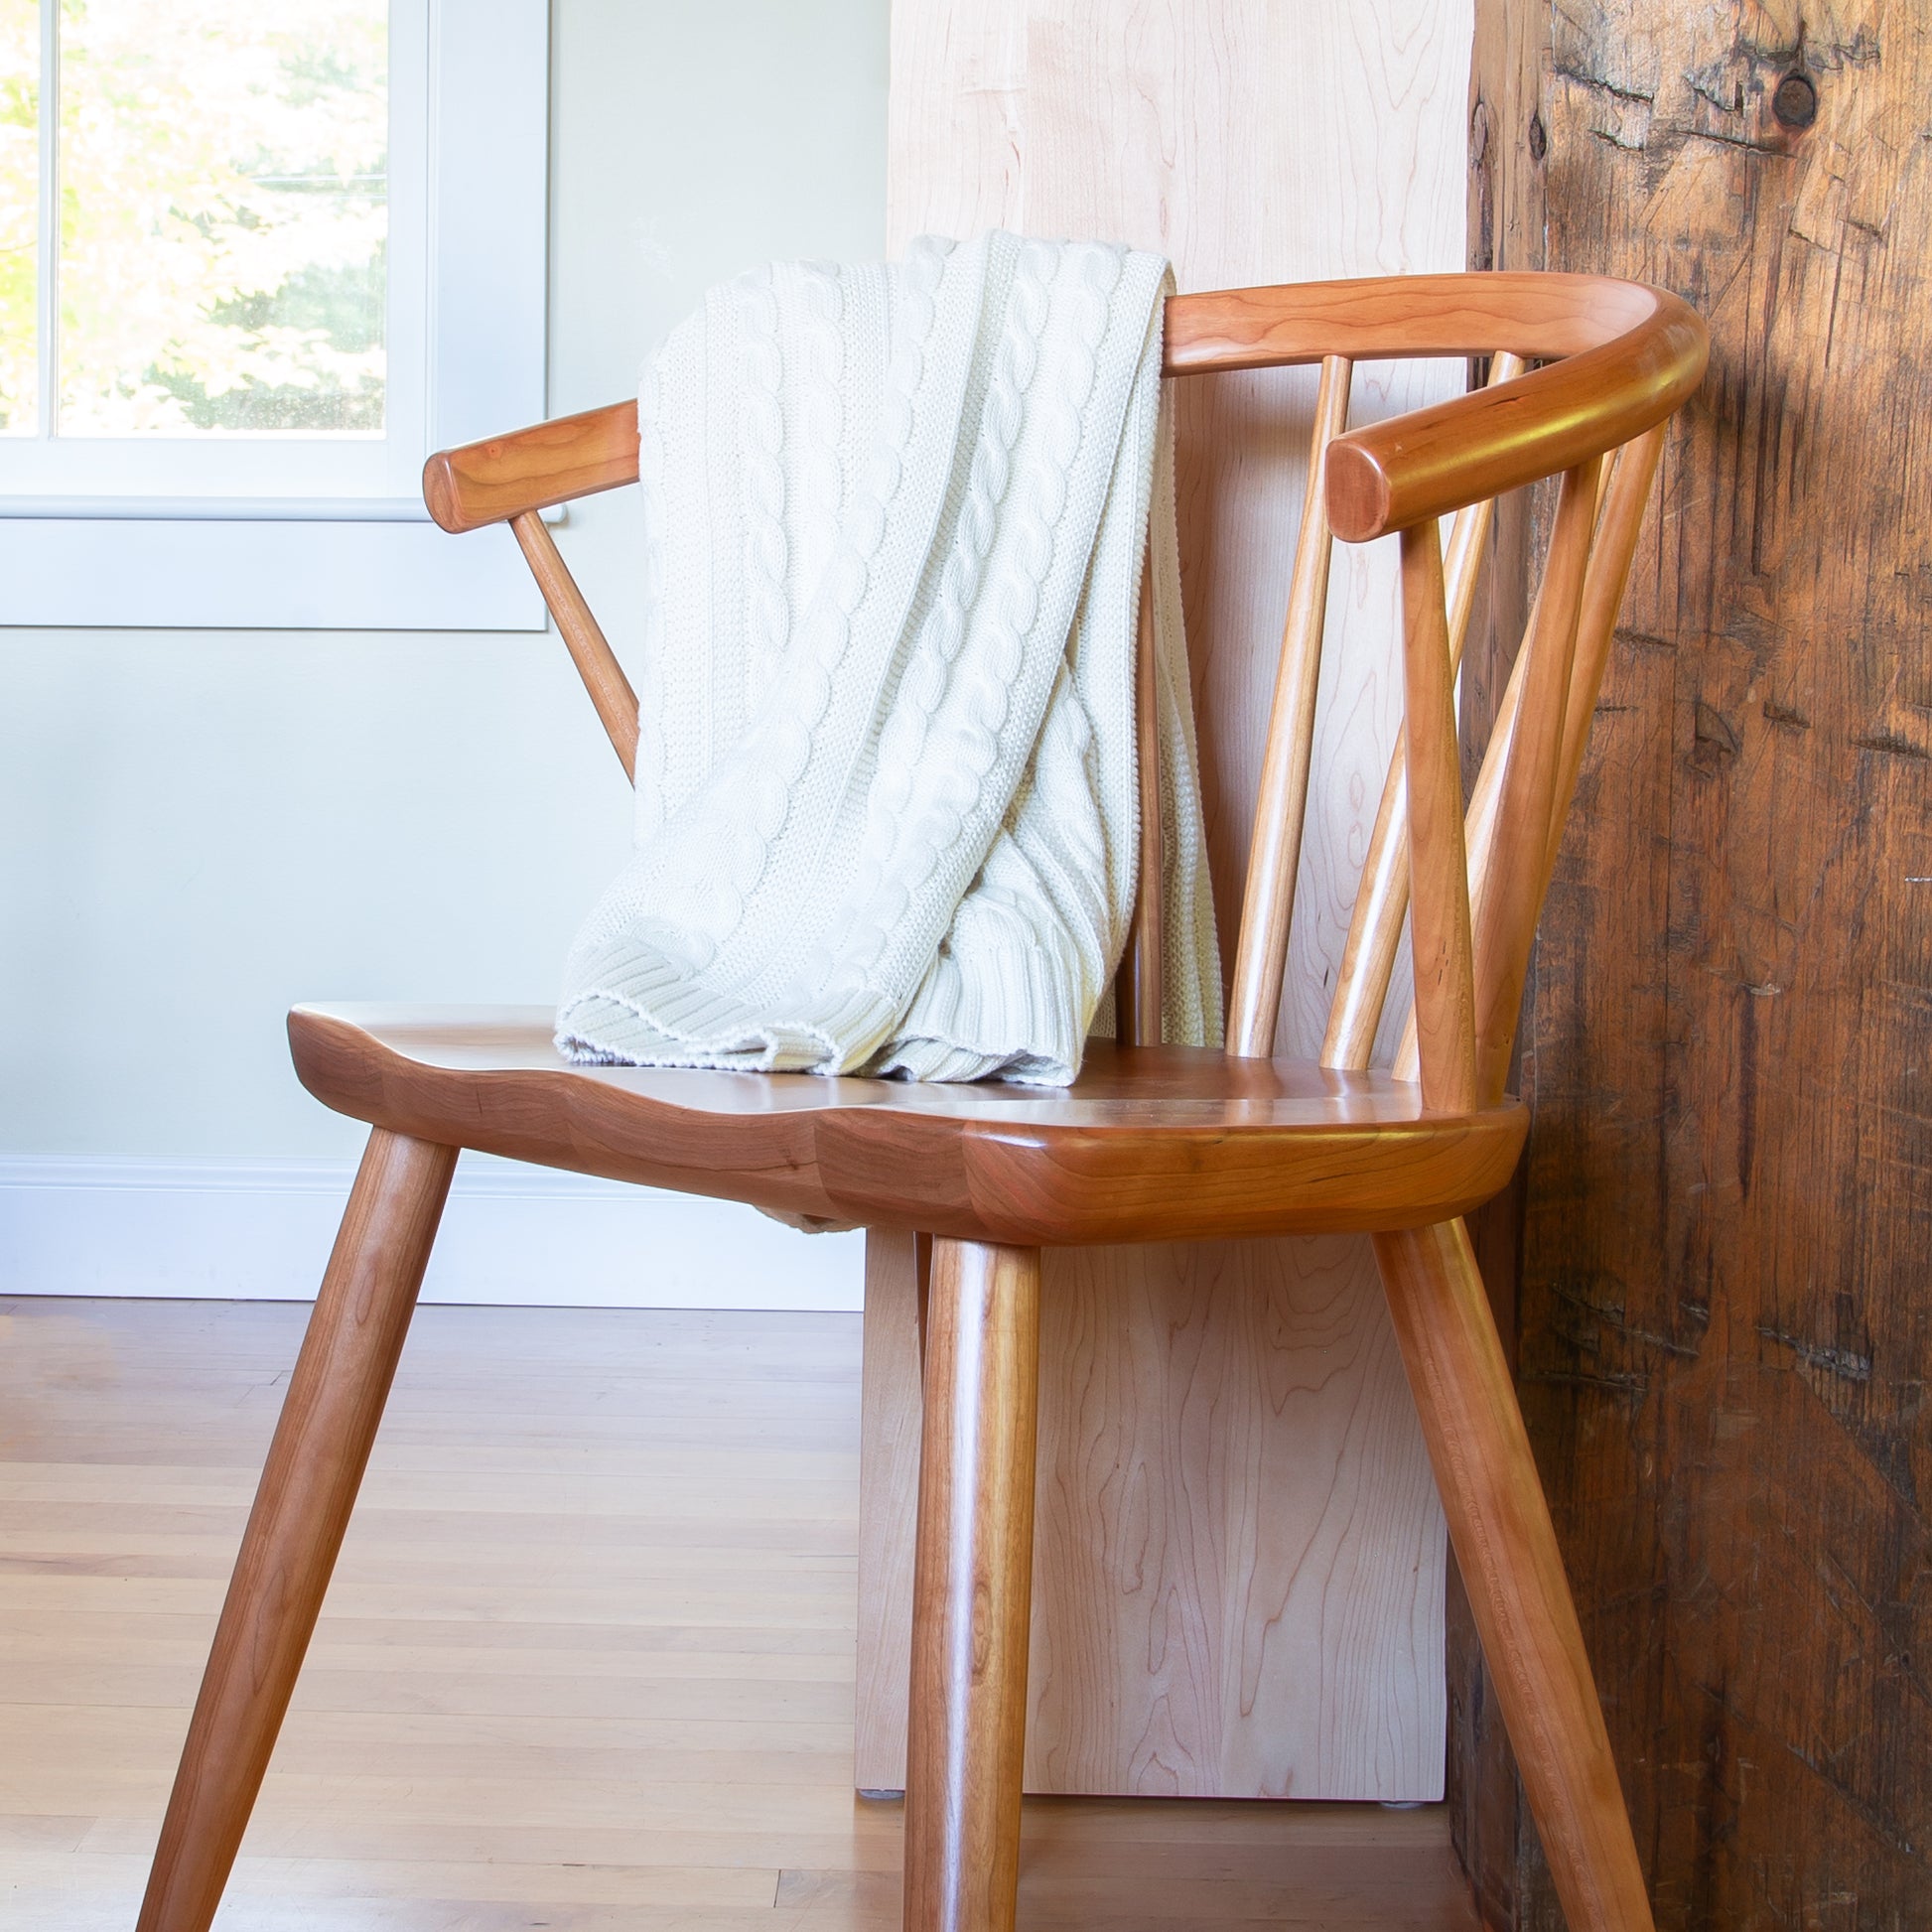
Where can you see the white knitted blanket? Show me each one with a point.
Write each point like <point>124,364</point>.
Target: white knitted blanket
<point>886,801</point>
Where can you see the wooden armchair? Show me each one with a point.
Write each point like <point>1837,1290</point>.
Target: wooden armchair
<point>1154,1143</point>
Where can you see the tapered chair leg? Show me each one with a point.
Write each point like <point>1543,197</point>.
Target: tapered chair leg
<point>972,1590</point>
<point>315,1465</point>
<point>1506,1546</point>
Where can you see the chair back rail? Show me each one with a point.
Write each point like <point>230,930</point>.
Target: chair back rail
<point>1631,353</point>
<point>1619,357</point>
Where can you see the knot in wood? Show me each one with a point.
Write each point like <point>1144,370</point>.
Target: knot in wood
<point>1796,101</point>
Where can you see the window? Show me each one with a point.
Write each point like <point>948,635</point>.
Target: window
<point>255,263</point>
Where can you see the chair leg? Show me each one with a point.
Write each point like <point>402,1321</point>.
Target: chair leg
<point>1506,1545</point>
<point>972,1590</point>
<point>315,1465</point>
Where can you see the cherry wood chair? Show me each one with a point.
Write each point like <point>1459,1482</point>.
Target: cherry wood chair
<point>1154,1143</point>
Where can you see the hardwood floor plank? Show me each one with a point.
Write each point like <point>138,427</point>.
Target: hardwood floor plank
<point>658,1887</point>
<point>580,1675</point>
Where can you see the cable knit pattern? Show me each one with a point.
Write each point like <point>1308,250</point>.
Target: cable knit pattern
<point>887,795</point>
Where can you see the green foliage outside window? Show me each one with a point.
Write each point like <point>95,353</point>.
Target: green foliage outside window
<point>223,214</point>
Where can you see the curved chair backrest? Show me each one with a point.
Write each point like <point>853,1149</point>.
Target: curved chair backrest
<point>1620,358</point>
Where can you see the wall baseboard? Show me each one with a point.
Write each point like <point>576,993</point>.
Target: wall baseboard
<point>261,1230</point>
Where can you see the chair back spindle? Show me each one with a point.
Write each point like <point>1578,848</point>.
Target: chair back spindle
<point>1281,808</point>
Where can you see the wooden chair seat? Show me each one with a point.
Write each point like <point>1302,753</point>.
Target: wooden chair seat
<point>1150,1144</point>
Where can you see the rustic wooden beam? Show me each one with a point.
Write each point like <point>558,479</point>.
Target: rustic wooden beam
<point>1723,1305</point>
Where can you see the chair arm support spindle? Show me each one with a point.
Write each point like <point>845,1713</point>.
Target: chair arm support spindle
<point>590,650</point>
<point>1438,904</point>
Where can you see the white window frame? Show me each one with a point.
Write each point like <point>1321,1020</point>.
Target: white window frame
<point>294,533</point>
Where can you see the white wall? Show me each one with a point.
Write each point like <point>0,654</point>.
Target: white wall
<point>197,829</point>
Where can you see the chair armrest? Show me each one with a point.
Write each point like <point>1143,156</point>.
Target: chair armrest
<point>531,469</point>
<point>1394,474</point>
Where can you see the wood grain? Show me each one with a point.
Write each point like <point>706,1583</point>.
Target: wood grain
<point>586,1660</point>
<point>1724,1336</point>
<point>1280,803</point>
<point>972,1590</point>
<point>1627,499</point>
<point>1419,316</point>
<point>1506,1547</point>
<point>1631,357</point>
<point>1217,1600</point>
<point>1376,922</point>
<point>597,663</point>
<point>1165,127</point>
<point>308,1488</point>
<point>1148,1144</point>
<point>1439,876</point>
<point>1166,1157</point>
<point>1497,438</point>
<point>1528,813</point>
<point>505,476</point>
<point>1606,577</point>
<point>1505,227</point>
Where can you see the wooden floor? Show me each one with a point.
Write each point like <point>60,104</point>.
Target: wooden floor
<point>587,1663</point>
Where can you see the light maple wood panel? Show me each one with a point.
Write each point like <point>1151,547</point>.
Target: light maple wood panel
<point>1243,1535</point>
<point>1235,1517</point>
<point>1240,1558</point>
<point>572,1751</point>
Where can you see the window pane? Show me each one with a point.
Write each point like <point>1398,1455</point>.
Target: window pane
<point>224,214</point>
<point>19,190</point>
